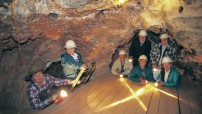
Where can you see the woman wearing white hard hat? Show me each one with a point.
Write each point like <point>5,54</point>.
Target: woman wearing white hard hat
<point>121,66</point>
<point>140,45</point>
<point>141,73</point>
<point>71,60</point>
<point>164,48</point>
<point>169,76</point>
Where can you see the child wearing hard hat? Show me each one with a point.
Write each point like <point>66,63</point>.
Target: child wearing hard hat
<point>121,66</point>
<point>71,60</point>
<point>141,72</point>
<point>169,76</point>
<point>164,48</point>
<point>140,46</point>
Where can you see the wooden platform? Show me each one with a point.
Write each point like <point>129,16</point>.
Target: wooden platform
<point>111,95</point>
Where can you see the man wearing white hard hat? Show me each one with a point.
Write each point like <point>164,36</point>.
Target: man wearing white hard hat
<point>42,91</point>
<point>121,66</point>
<point>169,76</point>
<point>71,60</point>
<point>140,45</point>
<point>164,48</point>
<point>141,73</point>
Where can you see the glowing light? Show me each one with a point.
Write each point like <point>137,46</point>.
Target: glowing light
<point>119,2</point>
<point>121,75</point>
<point>156,84</point>
<point>154,69</point>
<point>140,91</point>
<point>130,60</point>
<point>63,94</point>
<point>146,81</point>
<point>133,96</point>
<point>171,95</point>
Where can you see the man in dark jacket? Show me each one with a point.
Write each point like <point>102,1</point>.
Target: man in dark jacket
<point>140,46</point>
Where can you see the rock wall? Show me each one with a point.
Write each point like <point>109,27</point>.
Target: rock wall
<point>33,32</point>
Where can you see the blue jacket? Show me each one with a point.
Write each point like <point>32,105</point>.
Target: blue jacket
<point>70,66</point>
<point>173,77</point>
<point>136,73</point>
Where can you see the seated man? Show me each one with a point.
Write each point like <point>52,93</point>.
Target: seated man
<point>121,65</point>
<point>165,48</point>
<point>40,91</point>
<point>169,76</point>
<point>71,60</point>
<point>141,72</point>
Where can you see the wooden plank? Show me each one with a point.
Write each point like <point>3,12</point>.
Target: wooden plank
<point>82,101</point>
<point>135,101</point>
<point>90,87</point>
<point>184,102</point>
<point>77,97</point>
<point>110,107</point>
<point>173,101</point>
<point>101,107</point>
<point>91,105</point>
<point>154,104</point>
<point>145,100</point>
<point>120,109</point>
<point>164,101</point>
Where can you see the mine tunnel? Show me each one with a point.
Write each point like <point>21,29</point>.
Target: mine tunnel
<point>34,34</point>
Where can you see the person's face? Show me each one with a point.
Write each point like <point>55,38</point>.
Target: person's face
<point>142,39</point>
<point>164,42</point>
<point>167,66</point>
<point>122,58</point>
<point>38,77</point>
<point>142,62</point>
<point>70,51</point>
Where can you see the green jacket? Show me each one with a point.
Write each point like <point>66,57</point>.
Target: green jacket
<point>173,77</point>
<point>136,73</point>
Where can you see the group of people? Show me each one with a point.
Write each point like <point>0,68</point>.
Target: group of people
<point>147,63</point>
<point>42,89</point>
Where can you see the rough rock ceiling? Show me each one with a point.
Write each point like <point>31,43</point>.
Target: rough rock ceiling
<point>33,32</point>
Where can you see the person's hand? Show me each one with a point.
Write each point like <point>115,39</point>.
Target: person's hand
<point>159,67</point>
<point>84,66</point>
<point>69,81</point>
<point>142,80</point>
<point>154,66</point>
<point>160,83</point>
<point>118,74</point>
<point>54,97</point>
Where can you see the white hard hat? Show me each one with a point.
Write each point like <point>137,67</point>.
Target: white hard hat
<point>167,60</point>
<point>70,44</point>
<point>164,36</point>
<point>142,33</point>
<point>142,57</point>
<point>122,52</point>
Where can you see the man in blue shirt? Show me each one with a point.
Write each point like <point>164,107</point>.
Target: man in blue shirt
<point>141,72</point>
<point>169,76</point>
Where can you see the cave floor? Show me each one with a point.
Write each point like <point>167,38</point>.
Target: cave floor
<point>109,94</point>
